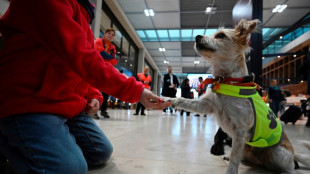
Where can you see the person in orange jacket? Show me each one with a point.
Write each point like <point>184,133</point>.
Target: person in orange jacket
<point>201,90</point>
<point>105,46</point>
<point>146,79</point>
<point>107,51</point>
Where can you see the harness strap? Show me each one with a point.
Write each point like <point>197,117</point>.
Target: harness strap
<point>242,81</point>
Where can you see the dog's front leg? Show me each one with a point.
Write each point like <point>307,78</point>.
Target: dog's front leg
<point>239,140</point>
<point>203,106</point>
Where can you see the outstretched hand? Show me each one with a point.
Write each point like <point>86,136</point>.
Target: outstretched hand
<point>152,101</point>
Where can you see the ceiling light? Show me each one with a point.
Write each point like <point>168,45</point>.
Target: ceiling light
<point>125,60</point>
<point>281,37</point>
<point>162,49</point>
<point>196,62</point>
<point>279,8</point>
<point>149,12</point>
<point>130,64</point>
<point>263,57</point>
<point>166,61</point>
<point>288,80</point>
<point>295,55</point>
<point>210,10</point>
<point>278,56</point>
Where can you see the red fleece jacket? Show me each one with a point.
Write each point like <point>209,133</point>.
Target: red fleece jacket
<point>48,63</point>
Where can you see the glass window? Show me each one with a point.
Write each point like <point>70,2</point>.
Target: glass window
<point>174,35</point>
<point>186,34</point>
<point>151,34</point>
<point>198,32</point>
<point>132,58</point>
<point>118,37</point>
<point>210,31</point>
<point>105,21</point>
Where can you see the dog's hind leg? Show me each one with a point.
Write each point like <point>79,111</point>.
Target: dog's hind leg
<point>203,106</point>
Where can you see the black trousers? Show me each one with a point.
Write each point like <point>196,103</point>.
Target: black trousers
<point>140,106</point>
<point>104,104</point>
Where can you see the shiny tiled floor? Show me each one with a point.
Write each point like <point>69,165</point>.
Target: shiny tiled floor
<point>172,144</point>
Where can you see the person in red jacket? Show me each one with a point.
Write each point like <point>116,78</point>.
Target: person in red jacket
<point>52,76</point>
<point>146,79</point>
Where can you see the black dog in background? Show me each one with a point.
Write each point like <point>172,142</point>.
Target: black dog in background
<point>220,139</point>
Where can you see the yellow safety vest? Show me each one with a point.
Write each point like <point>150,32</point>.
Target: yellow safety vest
<point>267,130</point>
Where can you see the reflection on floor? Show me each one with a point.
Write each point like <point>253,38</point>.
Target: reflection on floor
<point>172,144</point>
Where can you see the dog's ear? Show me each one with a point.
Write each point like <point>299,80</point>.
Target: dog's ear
<point>244,28</point>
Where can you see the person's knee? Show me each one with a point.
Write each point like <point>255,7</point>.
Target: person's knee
<point>77,165</point>
<point>100,155</point>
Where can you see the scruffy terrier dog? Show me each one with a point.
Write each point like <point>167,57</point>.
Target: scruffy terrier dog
<point>257,134</point>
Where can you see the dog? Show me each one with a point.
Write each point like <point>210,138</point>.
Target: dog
<point>231,102</point>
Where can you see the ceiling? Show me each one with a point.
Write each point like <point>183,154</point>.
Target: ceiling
<point>175,19</point>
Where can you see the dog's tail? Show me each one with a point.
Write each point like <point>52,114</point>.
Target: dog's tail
<point>304,158</point>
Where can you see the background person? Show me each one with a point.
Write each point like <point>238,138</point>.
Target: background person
<point>275,96</point>
<point>170,85</point>
<point>52,73</point>
<point>185,93</point>
<point>107,50</point>
<point>146,79</point>
<point>201,90</point>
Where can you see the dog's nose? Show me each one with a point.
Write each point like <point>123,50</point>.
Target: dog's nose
<point>198,38</point>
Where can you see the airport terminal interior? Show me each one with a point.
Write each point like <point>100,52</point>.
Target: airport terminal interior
<point>161,34</point>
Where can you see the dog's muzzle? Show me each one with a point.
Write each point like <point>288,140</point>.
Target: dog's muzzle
<point>202,46</point>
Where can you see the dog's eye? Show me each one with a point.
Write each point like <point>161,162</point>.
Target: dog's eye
<point>220,36</point>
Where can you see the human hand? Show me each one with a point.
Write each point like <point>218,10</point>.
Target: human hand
<point>151,101</point>
<point>92,107</point>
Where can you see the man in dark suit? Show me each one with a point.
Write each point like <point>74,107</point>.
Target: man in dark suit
<point>170,86</point>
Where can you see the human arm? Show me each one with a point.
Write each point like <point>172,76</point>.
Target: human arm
<point>71,44</point>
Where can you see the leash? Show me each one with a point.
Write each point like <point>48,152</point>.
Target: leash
<point>247,81</point>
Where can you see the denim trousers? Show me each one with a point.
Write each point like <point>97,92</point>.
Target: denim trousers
<point>275,107</point>
<point>47,143</point>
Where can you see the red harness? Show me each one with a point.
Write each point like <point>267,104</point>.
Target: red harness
<point>242,81</point>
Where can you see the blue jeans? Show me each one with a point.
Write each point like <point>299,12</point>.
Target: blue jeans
<point>46,143</point>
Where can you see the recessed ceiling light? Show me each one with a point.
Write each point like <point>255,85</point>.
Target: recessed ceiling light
<point>210,10</point>
<point>295,55</point>
<point>278,56</point>
<point>196,62</point>
<point>162,49</point>
<point>263,57</point>
<point>281,37</point>
<point>279,8</point>
<point>149,12</point>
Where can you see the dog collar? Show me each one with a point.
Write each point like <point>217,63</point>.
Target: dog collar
<point>247,81</point>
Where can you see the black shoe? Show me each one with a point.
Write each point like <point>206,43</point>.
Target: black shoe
<point>95,116</point>
<point>143,114</point>
<point>205,115</point>
<point>105,114</point>
<point>135,114</point>
<point>197,115</point>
